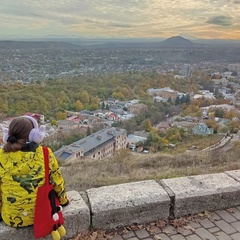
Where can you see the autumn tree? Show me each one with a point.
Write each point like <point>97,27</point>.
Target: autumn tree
<point>78,105</point>
<point>175,134</point>
<point>234,126</point>
<point>118,95</point>
<point>84,97</point>
<point>61,115</point>
<point>211,123</point>
<point>231,114</point>
<point>192,110</point>
<point>148,126</point>
<point>54,122</point>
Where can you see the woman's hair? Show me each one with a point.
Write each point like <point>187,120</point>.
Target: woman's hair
<point>18,132</point>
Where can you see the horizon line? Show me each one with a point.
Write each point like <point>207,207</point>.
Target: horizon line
<point>112,38</point>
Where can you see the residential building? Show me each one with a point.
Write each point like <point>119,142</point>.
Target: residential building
<point>98,145</point>
<point>133,139</point>
<point>67,124</point>
<point>202,129</point>
<point>204,94</point>
<point>163,126</point>
<point>221,81</point>
<point>39,117</point>
<point>234,67</point>
<point>164,93</point>
<point>137,108</point>
<point>185,70</point>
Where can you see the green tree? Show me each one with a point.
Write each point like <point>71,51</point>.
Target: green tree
<point>174,134</point>
<point>54,122</point>
<point>103,105</point>
<point>188,99</point>
<point>219,112</point>
<point>177,101</point>
<point>148,126</point>
<point>89,132</point>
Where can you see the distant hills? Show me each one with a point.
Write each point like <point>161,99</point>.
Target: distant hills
<point>67,43</point>
<point>5,44</point>
<point>179,42</point>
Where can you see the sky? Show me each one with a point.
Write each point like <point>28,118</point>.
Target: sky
<point>203,19</point>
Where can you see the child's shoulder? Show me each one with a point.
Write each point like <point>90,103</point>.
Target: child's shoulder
<point>1,151</point>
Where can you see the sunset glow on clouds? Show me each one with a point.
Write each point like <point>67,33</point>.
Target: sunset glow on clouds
<point>121,18</point>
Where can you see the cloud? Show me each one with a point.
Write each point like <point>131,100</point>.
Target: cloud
<point>139,18</point>
<point>220,20</point>
<point>120,25</point>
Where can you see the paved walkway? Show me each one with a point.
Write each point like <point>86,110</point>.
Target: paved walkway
<point>218,225</point>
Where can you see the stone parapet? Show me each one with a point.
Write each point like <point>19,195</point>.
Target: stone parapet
<point>142,202</point>
<point>124,204</point>
<point>76,215</point>
<point>209,192</point>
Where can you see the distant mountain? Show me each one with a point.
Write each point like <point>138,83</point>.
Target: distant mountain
<point>178,42</point>
<point>220,42</point>
<point>5,44</point>
<point>110,43</point>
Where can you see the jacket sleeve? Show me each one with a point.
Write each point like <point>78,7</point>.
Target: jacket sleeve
<point>56,178</point>
<point>0,200</point>
<point>1,174</point>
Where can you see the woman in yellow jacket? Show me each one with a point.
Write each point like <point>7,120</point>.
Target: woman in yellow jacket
<point>22,171</point>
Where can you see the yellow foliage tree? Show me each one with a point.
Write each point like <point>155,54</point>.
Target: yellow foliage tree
<point>78,105</point>
<point>54,122</point>
<point>61,115</point>
<point>231,114</point>
<point>84,97</point>
<point>192,110</point>
<point>211,123</point>
<point>234,125</point>
<point>148,126</point>
<point>118,95</point>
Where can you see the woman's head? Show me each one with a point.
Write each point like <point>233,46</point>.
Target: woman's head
<point>18,133</point>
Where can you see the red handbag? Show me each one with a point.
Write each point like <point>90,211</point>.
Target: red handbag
<point>48,218</point>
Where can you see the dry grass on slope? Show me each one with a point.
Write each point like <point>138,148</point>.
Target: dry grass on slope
<point>127,166</point>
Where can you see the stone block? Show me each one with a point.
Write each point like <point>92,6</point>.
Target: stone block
<point>235,174</point>
<point>129,203</point>
<point>76,215</point>
<point>195,194</point>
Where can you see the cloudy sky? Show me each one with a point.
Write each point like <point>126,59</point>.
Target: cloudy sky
<point>218,19</point>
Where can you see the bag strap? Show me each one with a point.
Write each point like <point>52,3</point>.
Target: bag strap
<point>46,164</point>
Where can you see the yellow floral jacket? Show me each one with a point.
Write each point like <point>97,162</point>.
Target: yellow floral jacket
<point>21,173</point>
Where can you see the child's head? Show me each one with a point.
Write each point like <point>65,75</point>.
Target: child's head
<point>18,134</point>
<point>20,128</point>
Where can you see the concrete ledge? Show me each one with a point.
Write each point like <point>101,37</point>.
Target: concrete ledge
<point>142,202</point>
<point>125,204</point>
<point>235,174</point>
<point>210,192</point>
<point>76,214</point>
